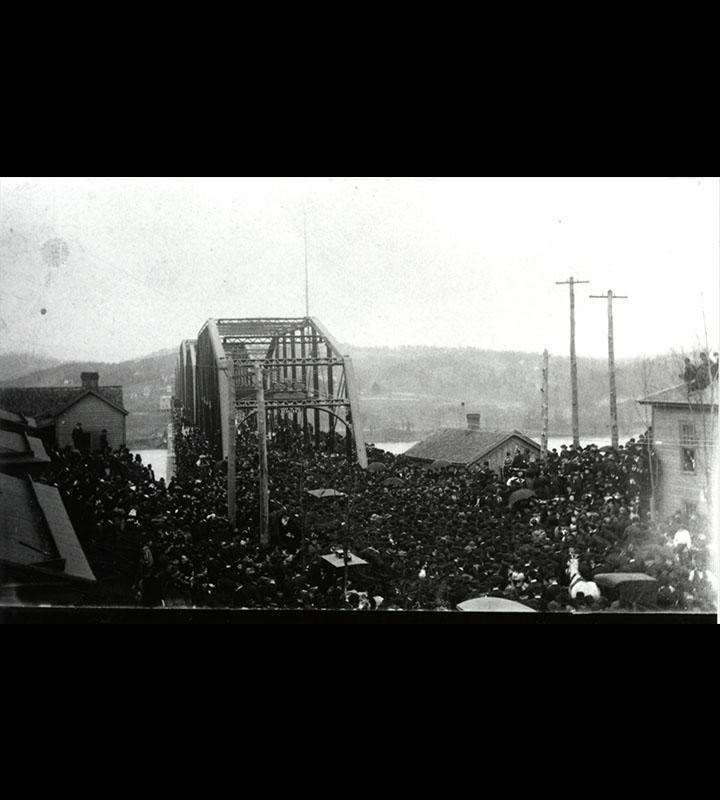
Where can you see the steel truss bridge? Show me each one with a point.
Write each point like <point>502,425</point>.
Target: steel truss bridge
<point>306,379</point>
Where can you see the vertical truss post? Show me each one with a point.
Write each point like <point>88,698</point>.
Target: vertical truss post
<point>331,393</point>
<point>316,388</point>
<point>303,355</point>
<point>293,374</point>
<point>262,456</point>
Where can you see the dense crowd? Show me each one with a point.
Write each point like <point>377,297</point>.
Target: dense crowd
<point>432,536</point>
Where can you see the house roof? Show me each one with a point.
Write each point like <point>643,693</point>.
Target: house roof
<point>36,533</point>
<point>679,396</point>
<point>17,447</point>
<point>464,446</point>
<point>46,402</point>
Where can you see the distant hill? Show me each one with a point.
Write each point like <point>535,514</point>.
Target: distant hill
<point>13,365</point>
<point>420,389</point>
<point>408,391</point>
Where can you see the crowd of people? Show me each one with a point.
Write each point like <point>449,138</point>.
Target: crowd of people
<point>701,374</point>
<point>431,537</point>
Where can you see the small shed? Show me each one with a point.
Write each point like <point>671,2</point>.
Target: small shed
<point>466,447</point>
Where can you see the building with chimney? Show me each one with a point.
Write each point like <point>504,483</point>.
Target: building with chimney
<point>57,409</point>
<point>471,446</point>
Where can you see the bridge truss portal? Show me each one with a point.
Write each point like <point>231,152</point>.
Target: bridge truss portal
<point>306,380</point>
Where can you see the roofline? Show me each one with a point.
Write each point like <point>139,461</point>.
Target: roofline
<point>64,408</point>
<point>652,399</point>
<point>510,435</point>
<point>503,436</point>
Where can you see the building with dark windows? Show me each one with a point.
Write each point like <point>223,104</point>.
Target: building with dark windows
<point>684,434</point>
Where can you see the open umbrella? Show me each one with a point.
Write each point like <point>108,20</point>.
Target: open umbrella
<point>393,482</point>
<point>376,466</point>
<point>439,464</point>
<point>493,604</point>
<point>326,493</point>
<point>521,494</point>
<point>606,449</point>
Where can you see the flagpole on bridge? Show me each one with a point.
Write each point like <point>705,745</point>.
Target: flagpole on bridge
<point>307,282</point>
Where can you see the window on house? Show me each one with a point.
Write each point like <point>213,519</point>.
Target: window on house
<point>687,434</point>
<point>688,459</point>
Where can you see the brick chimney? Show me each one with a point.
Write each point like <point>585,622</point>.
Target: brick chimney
<point>473,422</point>
<point>90,380</point>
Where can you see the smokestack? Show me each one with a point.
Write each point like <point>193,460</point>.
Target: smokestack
<point>473,422</point>
<point>90,380</point>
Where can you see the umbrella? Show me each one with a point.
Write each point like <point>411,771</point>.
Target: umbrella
<point>326,493</point>
<point>440,464</point>
<point>376,466</point>
<point>493,604</point>
<point>521,494</point>
<point>607,449</point>
<point>393,482</point>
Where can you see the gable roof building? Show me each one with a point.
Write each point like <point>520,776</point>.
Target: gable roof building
<point>468,446</point>
<point>95,406</point>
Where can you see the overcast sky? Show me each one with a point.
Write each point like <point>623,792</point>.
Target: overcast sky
<point>124,267</point>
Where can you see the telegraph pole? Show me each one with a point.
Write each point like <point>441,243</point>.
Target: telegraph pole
<point>544,434</point>
<point>262,454</point>
<point>611,363</point>
<point>573,360</point>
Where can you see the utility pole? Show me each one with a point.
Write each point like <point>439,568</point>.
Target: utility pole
<point>544,414</point>
<point>611,363</point>
<point>262,454</point>
<point>573,360</point>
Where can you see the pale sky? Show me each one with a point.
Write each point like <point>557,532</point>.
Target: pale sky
<point>124,267</point>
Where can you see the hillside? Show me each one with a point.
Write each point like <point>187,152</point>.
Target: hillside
<point>408,391</point>
<point>13,365</point>
<point>422,388</point>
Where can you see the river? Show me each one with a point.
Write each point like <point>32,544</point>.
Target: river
<point>158,459</point>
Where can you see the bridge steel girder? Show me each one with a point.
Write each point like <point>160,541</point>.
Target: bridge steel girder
<point>288,351</point>
<point>185,371</point>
